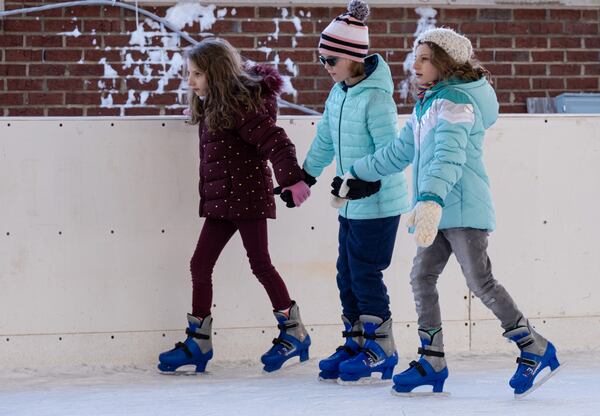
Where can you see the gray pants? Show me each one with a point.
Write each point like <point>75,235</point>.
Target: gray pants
<point>469,245</point>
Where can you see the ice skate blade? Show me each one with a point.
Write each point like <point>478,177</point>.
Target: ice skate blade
<point>328,380</point>
<point>363,381</point>
<point>182,373</point>
<point>539,383</point>
<point>420,394</point>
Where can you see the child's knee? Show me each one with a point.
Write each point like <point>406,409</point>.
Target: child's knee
<point>263,270</point>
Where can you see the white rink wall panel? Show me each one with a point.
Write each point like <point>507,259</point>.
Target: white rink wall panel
<point>99,219</point>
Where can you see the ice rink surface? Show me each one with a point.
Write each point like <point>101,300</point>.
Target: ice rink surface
<point>477,384</point>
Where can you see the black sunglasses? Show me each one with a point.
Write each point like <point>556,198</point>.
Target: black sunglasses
<point>328,61</point>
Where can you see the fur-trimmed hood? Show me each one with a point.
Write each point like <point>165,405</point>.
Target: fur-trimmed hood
<point>272,82</point>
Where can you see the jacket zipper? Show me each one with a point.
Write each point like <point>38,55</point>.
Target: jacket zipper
<point>416,165</point>
<point>340,145</point>
<point>340,134</point>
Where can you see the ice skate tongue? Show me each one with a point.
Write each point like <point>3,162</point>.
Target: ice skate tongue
<point>371,319</point>
<point>281,317</point>
<point>192,320</point>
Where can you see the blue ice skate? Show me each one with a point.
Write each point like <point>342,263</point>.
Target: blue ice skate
<point>196,350</point>
<point>419,373</point>
<point>330,366</point>
<point>293,341</point>
<point>537,353</point>
<point>422,372</point>
<point>378,355</point>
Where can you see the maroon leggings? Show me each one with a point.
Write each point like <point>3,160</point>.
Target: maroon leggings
<point>214,236</point>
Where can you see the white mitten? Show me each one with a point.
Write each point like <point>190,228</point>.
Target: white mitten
<point>427,216</point>
<point>409,219</point>
<point>338,201</point>
<point>344,188</point>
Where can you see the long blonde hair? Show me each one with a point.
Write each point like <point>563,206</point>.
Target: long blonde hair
<point>230,88</point>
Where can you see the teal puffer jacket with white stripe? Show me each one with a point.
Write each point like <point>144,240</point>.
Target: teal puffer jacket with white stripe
<point>443,140</point>
<point>356,122</point>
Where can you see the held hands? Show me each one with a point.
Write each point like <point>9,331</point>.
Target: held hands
<point>295,195</point>
<point>298,193</point>
<point>425,218</point>
<point>349,188</point>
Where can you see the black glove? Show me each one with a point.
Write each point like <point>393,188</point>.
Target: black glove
<point>335,186</point>
<point>357,188</point>
<point>309,179</point>
<point>286,196</point>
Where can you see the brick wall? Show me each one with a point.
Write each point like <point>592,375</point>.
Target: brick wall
<point>530,52</point>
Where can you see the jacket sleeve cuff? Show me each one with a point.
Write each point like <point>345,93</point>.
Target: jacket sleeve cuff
<point>308,178</point>
<point>431,197</point>
<point>353,172</point>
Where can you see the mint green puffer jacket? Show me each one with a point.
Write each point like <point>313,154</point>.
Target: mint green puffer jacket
<point>443,139</point>
<point>357,121</point>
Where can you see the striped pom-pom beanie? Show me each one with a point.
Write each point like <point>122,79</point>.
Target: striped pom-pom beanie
<point>348,35</point>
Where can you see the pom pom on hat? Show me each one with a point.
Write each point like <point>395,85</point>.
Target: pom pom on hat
<point>359,9</point>
<point>456,45</point>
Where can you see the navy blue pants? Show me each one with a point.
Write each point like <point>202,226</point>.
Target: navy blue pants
<point>365,250</point>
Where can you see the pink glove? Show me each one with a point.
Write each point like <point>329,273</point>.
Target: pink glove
<point>300,192</point>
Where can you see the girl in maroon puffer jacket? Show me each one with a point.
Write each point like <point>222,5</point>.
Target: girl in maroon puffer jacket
<point>236,109</point>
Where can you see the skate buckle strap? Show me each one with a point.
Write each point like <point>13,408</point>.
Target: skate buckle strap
<point>346,348</point>
<point>430,353</point>
<point>369,353</point>
<point>283,342</point>
<point>196,335</point>
<point>350,334</point>
<point>374,336</point>
<point>526,361</point>
<point>185,349</point>
<point>524,344</point>
<point>284,326</point>
<point>419,367</point>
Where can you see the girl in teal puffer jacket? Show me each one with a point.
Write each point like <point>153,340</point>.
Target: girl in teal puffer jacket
<point>360,117</point>
<point>453,210</point>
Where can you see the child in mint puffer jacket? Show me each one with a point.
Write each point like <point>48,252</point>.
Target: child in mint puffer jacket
<point>360,117</point>
<point>453,210</point>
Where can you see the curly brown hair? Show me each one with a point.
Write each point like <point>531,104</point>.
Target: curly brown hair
<point>472,70</point>
<point>230,88</point>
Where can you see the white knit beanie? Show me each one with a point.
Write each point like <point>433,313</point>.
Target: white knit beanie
<point>457,46</point>
<point>347,36</point>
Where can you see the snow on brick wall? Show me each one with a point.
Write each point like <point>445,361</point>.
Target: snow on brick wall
<point>102,60</point>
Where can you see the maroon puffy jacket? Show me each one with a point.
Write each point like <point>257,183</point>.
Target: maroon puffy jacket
<point>235,179</point>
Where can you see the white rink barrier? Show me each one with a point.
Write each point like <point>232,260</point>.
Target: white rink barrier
<point>98,221</point>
